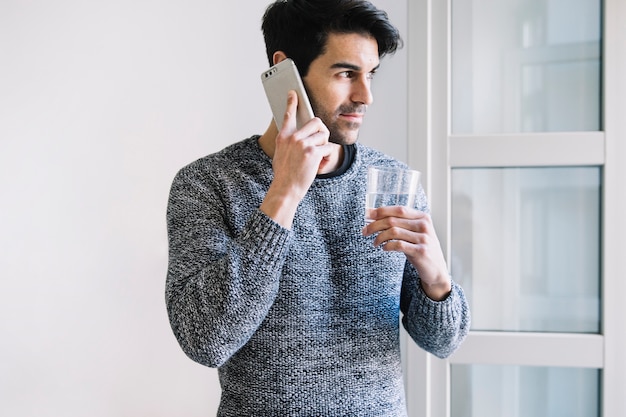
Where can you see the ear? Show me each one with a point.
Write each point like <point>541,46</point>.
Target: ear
<point>278,57</point>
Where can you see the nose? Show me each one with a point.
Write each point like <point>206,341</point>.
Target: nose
<point>362,90</point>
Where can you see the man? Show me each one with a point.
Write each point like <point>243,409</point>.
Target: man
<point>273,276</point>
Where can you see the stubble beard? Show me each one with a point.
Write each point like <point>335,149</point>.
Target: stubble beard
<point>341,132</point>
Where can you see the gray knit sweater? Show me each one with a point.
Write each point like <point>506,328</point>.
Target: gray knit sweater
<point>300,322</point>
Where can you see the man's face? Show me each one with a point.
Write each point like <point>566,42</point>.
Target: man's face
<point>338,84</point>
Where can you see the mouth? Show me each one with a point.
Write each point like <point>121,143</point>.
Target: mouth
<point>352,118</point>
<point>352,114</point>
<point>355,116</point>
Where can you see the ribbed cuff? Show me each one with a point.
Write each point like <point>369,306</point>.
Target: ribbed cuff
<point>266,238</point>
<point>447,310</point>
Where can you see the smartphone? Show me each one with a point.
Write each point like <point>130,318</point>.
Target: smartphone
<point>277,81</point>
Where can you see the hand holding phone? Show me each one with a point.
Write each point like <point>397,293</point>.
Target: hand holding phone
<point>277,82</point>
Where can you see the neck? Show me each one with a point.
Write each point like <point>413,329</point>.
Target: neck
<point>268,144</point>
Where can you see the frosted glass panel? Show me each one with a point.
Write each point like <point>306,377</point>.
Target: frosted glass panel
<point>513,391</point>
<point>526,66</point>
<point>526,247</point>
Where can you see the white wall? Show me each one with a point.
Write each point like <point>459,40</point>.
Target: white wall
<point>100,104</point>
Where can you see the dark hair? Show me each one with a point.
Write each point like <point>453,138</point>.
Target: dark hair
<point>300,28</point>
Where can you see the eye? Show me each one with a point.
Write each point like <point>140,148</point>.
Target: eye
<point>347,74</point>
<point>370,75</point>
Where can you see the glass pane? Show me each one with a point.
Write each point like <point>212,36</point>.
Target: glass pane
<point>526,66</point>
<point>526,247</point>
<point>514,391</point>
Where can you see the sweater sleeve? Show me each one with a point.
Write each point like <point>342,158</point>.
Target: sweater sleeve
<point>221,282</point>
<point>438,327</point>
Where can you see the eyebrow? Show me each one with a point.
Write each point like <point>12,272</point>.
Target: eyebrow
<point>346,65</point>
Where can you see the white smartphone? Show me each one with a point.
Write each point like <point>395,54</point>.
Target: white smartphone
<point>277,82</point>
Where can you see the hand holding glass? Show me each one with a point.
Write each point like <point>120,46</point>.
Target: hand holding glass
<point>388,186</point>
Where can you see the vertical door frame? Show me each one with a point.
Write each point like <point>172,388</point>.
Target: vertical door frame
<point>614,209</point>
<point>433,149</point>
<point>428,122</point>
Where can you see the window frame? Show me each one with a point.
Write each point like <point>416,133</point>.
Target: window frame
<point>433,148</point>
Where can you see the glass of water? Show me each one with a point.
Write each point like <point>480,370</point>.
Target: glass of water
<point>388,186</point>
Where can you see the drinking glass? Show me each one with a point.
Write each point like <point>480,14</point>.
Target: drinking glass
<point>387,186</point>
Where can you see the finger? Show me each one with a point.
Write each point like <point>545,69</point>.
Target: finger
<point>400,234</point>
<point>327,152</point>
<point>415,222</point>
<point>399,246</point>
<point>403,212</point>
<point>315,131</point>
<point>382,222</point>
<point>289,118</point>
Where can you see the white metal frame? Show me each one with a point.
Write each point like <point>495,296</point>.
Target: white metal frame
<point>436,152</point>
<point>614,375</point>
